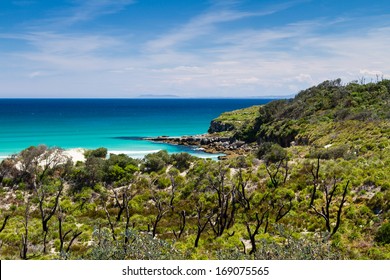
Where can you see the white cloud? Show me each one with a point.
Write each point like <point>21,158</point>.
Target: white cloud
<point>205,24</point>
<point>85,11</point>
<point>197,58</point>
<point>35,74</point>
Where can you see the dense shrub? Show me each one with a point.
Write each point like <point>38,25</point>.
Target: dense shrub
<point>98,153</point>
<point>383,234</point>
<point>142,247</point>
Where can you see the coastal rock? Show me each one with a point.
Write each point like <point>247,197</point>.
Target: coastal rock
<point>208,143</point>
<point>218,126</point>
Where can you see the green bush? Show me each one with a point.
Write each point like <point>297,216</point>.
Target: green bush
<point>142,246</point>
<point>98,153</point>
<point>383,234</point>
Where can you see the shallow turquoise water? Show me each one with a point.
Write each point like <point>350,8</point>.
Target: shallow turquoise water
<point>117,124</point>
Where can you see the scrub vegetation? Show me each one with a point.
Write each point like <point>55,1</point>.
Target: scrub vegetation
<point>316,185</point>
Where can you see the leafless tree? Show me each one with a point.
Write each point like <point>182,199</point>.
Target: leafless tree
<point>24,246</point>
<point>182,225</point>
<point>109,219</point>
<point>226,201</point>
<point>160,206</point>
<point>5,222</point>
<point>46,210</point>
<point>274,169</point>
<point>202,220</point>
<point>325,213</point>
<point>315,173</point>
<point>62,235</point>
<point>241,186</point>
<point>283,210</point>
<point>252,232</point>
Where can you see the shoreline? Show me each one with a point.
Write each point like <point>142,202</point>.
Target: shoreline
<point>77,154</point>
<point>209,143</point>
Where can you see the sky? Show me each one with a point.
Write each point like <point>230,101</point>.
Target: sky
<point>188,48</point>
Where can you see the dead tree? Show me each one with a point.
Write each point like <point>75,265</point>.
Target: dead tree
<point>275,159</point>
<point>110,222</point>
<point>50,160</point>
<point>174,186</point>
<point>47,213</point>
<point>120,205</point>
<point>127,197</point>
<point>273,171</point>
<point>325,212</point>
<point>161,211</point>
<point>5,222</point>
<point>253,232</point>
<point>200,223</point>
<point>315,173</point>
<point>63,235</point>
<point>242,186</point>
<point>182,224</point>
<point>24,247</point>
<point>226,208</point>
<point>283,211</point>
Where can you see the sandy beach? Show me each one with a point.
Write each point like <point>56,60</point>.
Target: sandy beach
<point>76,154</point>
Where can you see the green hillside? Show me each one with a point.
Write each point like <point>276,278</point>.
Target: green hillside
<point>315,184</point>
<point>327,114</point>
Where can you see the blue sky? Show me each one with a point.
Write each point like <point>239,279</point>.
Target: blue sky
<point>188,48</point>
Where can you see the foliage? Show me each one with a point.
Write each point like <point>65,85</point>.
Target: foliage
<point>97,153</point>
<point>142,247</point>
<point>334,178</point>
<point>383,234</point>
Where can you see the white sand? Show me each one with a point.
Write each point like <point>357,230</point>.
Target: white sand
<point>76,154</point>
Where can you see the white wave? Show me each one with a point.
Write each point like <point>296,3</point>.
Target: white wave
<point>133,152</point>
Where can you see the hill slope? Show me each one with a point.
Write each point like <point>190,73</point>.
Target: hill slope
<point>326,114</point>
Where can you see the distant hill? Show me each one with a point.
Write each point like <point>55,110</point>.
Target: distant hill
<point>157,96</point>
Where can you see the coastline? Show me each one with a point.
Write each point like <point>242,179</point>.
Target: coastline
<point>209,143</point>
<point>77,154</point>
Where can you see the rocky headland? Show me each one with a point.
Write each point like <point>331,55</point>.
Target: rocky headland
<point>223,134</point>
<point>207,142</point>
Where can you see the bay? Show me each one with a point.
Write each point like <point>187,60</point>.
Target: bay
<point>117,124</point>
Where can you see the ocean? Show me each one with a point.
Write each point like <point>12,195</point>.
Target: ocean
<point>117,124</point>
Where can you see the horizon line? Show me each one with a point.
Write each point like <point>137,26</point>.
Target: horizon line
<point>152,97</point>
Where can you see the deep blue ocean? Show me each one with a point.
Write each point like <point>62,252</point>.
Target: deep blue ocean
<point>117,124</point>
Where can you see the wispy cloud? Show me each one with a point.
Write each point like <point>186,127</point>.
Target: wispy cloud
<point>206,23</point>
<point>198,57</point>
<point>82,11</point>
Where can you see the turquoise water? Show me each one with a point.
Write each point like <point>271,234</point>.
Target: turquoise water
<point>117,124</point>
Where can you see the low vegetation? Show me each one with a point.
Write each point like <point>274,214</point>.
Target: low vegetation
<point>317,186</point>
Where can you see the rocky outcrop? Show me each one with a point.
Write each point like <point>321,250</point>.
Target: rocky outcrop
<point>207,142</point>
<point>218,126</point>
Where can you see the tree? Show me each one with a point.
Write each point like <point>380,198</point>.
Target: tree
<point>156,161</point>
<point>47,209</point>
<point>315,173</point>
<point>181,161</point>
<point>5,222</point>
<point>275,158</point>
<point>62,235</point>
<point>226,199</point>
<point>253,232</point>
<point>383,234</point>
<point>26,218</point>
<point>202,219</point>
<point>242,182</point>
<point>325,213</point>
<point>97,153</point>
<point>161,207</point>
